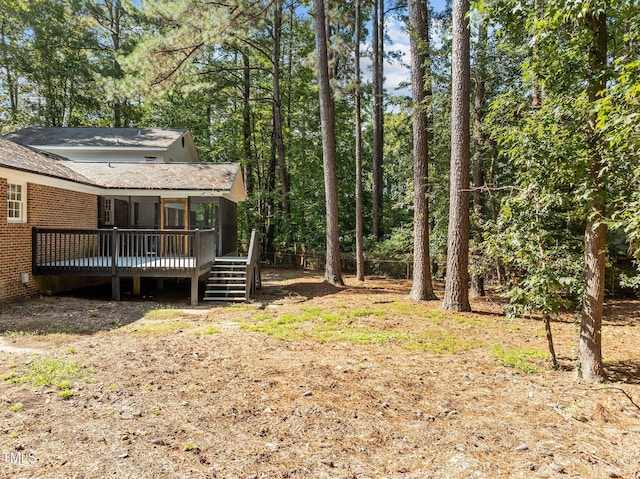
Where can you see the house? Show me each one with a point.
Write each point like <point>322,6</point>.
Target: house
<point>140,189</point>
<point>148,183</point>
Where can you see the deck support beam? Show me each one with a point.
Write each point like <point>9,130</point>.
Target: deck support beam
<point>136,285</point>
<point>194,289</point>
<point>115,288</point>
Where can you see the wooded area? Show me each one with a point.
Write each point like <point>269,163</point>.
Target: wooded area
<point>525,160</point>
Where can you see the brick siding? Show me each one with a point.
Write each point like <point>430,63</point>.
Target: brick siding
<point>47,207</point>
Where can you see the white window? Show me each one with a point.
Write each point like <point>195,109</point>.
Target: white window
<point>16,203</point>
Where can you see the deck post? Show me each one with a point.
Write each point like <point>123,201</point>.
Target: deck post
<point>195,277</point>
<point>136,285</point>
<point>194,289</point>
<point>115,279</point>
<point>115,288</point>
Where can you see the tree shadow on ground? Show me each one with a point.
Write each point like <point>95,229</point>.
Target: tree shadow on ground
<point>88,310</point>
<point>303,291</point>
<point>625,372</point>
<point>66,315</point>
<point>622,312</point>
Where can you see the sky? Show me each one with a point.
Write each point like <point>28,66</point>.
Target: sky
<point>397,72</point>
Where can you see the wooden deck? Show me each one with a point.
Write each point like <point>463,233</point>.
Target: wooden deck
<point>124,253</point>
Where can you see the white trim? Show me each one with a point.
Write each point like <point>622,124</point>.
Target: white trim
<point>21,203</point>
<point>17,176</point>
<point>235,194</point>
<point>54,148</point>
<point>171,194</point>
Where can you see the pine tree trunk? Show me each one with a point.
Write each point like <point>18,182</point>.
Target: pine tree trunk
<point>422,288</point>
<point>246,140</point>
<point>277,116</point>
<point>11,84</point>
<point>457,275</point>
<point>358,133</point>
<point>479,139</point>
<point>115,13</point>
<point>271,204</point>
<point>377,28</point>
<point>536,93</point>
<point>333,272</point>
<point>590,365</point>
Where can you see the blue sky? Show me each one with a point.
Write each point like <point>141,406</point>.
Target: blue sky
<point>438,5</point>
<point>397,72</point>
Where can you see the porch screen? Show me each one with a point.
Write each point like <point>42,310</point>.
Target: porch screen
<point>203,215</point>
<point>174,215</point>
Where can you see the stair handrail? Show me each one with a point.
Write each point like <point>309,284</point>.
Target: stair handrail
<point>254,280</point>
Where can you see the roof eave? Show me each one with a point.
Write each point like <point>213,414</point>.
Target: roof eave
<point>102,148</point>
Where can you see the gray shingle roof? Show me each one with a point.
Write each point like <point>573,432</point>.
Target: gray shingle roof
<point>23,158</point>
<point>97,137</point>
<point>121,175</point>
<point>160,176</point>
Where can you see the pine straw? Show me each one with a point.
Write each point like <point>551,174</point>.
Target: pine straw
<point>185,403</point>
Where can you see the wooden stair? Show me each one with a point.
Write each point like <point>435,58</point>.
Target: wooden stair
<point>227,280</point>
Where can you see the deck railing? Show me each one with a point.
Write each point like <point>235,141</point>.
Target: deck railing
<point>254,280</point>
<point>117,251</point>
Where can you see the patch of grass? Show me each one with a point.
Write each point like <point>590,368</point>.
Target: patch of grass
<point>49,372</point>
<point>94,313</point>
<point>210,330</point>
<point>435,314</point>
<point>363,313</point>
<point>441,342</point>
<point>63,385</point>
<point>239,307</point>
<point>67,393</point>
<point>277,329</point>
<point>16,407</point>
<point>71,350</point>
<point>473,321</point>
<point>191,447</point>
<point>356,334</point>
<point>403,307</point>
<point>287,325</point>
<point>319,325</point>
<point>150,329</point>
<point>162,314</point>
<point>331,318</point>
<point>291,319</point>
<point>315,323</point>
<point>262,316</point>
<point>520,359</point>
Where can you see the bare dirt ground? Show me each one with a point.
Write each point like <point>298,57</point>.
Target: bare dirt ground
<point>311,381</point>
